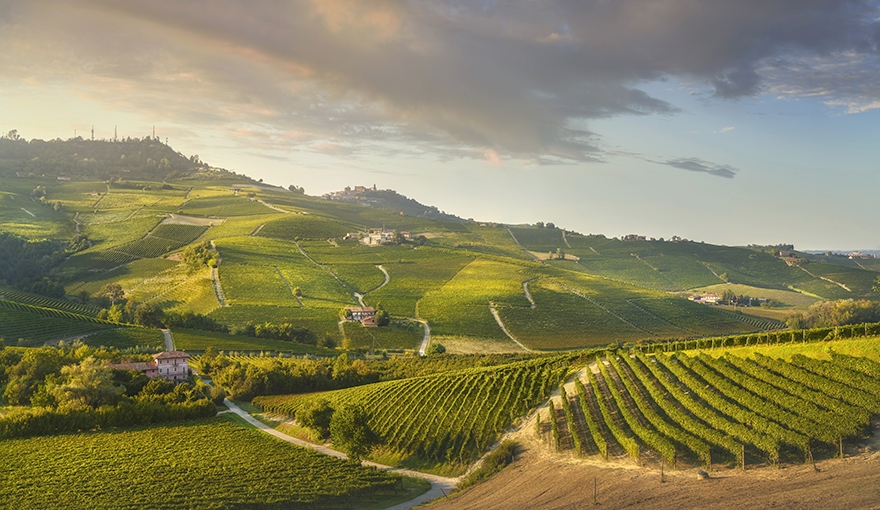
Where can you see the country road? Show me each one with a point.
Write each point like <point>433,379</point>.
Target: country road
<point>440,486</point>
<point>169,341</point>
<point>427,338</point>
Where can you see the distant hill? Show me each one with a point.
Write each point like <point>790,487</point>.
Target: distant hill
<point>391,200</point>
<point>80,159</point>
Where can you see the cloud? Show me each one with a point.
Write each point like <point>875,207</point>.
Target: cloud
<point>703,166</point>
<point>727,129</point>
<point>448,78</point>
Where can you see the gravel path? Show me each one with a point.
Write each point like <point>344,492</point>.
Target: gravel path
<point>440,485</point>
<point>504,328</point>
<point>169,341</point>
<point>426,340</point>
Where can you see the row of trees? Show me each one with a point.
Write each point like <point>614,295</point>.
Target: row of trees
<point>245,379</point>
<point>30,265</point>
<point>835,313</point>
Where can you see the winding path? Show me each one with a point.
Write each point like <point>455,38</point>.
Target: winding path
<point>426,340</point>
<point>504,328</point>
<point>530,254</point>
<point>440,485</point>
<point>829,280</point>
<point>274,208</point>
<point>528,294</point>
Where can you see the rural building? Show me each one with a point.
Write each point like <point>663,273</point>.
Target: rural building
<point>379,236</point>
<point>172,365</point>
<point>169,365</point>
<point>359,313</point>
<point>705,299</point>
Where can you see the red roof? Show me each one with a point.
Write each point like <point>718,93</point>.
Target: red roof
<point>141,366</point>
<point>171,355</point>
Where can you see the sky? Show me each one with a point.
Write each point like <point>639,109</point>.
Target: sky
<point>732,122</point>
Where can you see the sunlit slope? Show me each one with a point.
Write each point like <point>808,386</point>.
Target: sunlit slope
<point>443,421</point>
<point>683,265</point>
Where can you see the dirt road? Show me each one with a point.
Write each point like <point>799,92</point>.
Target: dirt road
<point>439,485</point>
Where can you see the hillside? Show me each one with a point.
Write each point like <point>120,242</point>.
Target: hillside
<point>284,257</point>
<point>391,200</point>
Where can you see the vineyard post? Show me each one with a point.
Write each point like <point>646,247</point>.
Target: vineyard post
<point>595,493</point>
<point>743,457</point>
<point>841,446</point>
<point>662,479</point>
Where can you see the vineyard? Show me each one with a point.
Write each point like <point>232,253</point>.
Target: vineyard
<point>703,410</point>
<point>442,422</point>
<point>203,464</point>
<point>45,302</point>
<point>32,325</point>
<point>304,227</point>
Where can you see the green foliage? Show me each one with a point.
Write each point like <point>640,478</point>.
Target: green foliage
<point>445,418</point>
<point>836,313</point>
<point>197,256</point>
<point>493,463</point>
<point>435,348</point>
<point>316,416</point>
<point>236,467</point>
<point>350,431</point>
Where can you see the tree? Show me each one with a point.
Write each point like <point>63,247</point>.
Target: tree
<point>149,315</point>
<point>351,432</point>
<point>435,348</point>
<point>113,292</point>
<point>89,383</point>
<point>316,415</point>
<point>382,318</point>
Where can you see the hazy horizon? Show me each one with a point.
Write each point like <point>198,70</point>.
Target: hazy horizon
<point>729,122</point>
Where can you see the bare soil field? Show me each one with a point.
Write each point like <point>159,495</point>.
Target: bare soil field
<point>536,482</point>
<point>544,480</point>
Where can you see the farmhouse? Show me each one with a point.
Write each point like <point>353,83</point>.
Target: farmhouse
<point>360,313</point>
<point>379,236</point>
<point>170,365</point>
<point>705,299</point>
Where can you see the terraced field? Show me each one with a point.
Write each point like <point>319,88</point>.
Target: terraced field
<point>28,325</point>
<point>442,422</point>
<point>406,335</point>
<point>300,226</point>
<point>705,410</point>
<point>461,306</point>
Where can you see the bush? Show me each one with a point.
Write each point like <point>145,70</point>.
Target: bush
<point>493,463</point>
<point>435,348</point>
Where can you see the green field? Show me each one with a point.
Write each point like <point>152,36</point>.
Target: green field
<point>441,422</point>
<point>785,298</point>
<point>128,338</point>
<point>399,335</point>
<point>202,464</point>
<point>706,409</point>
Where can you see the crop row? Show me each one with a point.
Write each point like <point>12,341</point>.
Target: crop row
<point>672,404</point>
<point>46,302</point>
<point>241,468</point>
<point>446,418</point>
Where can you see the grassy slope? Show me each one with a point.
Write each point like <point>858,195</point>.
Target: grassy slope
<point>202,464</point>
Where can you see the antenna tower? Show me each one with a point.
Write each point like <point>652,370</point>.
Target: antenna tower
<point>93,133</point>
<point>114,134</point>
